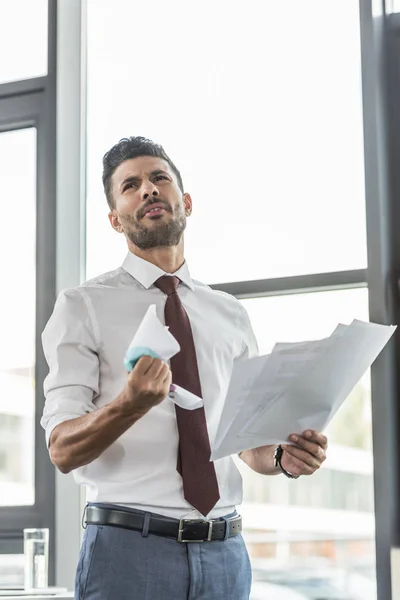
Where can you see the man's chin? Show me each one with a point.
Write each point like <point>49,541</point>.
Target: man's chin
<point>146,242</point>
<point>157,233</point>
<point>153,222</point>
<point>152,244</point>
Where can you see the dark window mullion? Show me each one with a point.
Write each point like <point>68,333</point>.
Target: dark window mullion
<point>320,282</point>
<point>32,103</point>
<point>22,88</point>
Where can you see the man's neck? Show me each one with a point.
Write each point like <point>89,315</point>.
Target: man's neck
<point>168,258</point>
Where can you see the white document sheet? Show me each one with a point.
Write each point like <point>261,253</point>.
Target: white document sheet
<point>152,334</point>
<point>298,386</point>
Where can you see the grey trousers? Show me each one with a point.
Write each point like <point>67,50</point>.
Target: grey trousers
<point>121,564</point>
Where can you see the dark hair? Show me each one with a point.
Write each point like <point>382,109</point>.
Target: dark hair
<point>132,147</point>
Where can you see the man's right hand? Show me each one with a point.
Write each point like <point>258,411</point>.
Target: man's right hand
<point>147,385</point>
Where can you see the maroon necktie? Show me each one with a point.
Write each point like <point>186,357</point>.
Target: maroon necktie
<point>200,484</point>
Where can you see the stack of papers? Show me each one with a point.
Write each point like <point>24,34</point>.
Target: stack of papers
<point>298,386</point>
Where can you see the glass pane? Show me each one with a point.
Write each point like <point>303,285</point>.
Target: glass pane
<point>11,571</point>
<point>23,39</point>
<point>315,536</point>
<point>266,130</point>
<point>395,6</point>
<point>17,319</point>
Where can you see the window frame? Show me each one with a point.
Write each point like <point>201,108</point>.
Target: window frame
<point>380,49</point>
<point>32,103</point>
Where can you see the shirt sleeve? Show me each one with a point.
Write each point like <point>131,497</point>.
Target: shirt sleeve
<point>249,340</point>
<point>71,350</point>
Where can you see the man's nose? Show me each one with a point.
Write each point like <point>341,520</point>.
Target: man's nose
<point>149,190</point>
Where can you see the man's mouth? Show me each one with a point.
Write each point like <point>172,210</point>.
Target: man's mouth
<point>154,210</point>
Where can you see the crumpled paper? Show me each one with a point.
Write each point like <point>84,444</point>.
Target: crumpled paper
<point>154,339</point>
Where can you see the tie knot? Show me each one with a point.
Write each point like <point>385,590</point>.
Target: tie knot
<point>168,284</point>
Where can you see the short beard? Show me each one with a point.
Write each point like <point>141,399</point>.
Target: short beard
<point>166,234</point>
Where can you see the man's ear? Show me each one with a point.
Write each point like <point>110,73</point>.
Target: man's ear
<point>114,220</point>
<point>187,200</point>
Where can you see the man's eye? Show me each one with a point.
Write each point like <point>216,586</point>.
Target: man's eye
<point>157,177</point>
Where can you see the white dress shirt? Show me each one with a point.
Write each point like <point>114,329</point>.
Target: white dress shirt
<point>85,342</point>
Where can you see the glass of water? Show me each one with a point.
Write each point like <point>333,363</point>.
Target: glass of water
<point>36,551</point>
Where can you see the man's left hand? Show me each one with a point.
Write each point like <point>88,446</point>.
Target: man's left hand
<point>307,455</point>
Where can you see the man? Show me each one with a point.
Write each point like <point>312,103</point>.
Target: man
<point>161,517</point>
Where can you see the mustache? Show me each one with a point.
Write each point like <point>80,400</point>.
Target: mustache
<point>143,210</point>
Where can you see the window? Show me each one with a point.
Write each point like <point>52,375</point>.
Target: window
<point>27,258</point>
<point>267,133</point>
<point>23,39</point>
<point>17,319</point>
<point>12,571</point>
<point>318,529</point>
<point>394,5</point>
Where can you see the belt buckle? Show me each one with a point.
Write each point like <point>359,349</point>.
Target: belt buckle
<point>184,522</point>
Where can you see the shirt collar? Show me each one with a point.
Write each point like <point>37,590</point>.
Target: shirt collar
<point>146,273</point>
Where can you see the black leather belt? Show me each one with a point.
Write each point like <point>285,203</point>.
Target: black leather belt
<point>185,530</point>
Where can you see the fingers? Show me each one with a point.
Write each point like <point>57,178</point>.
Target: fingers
<point>316,437</point>
<point>153,368</point>
<point>158,370</point>
<point>313,442</point>
<point>315,451</point>
<point>143,365</point>
<point>295,466</point>
<point>154,374</point>
<point>305,458</point>
<point>147,384</point>
<point>166,383</point>
<point>309,451</point>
